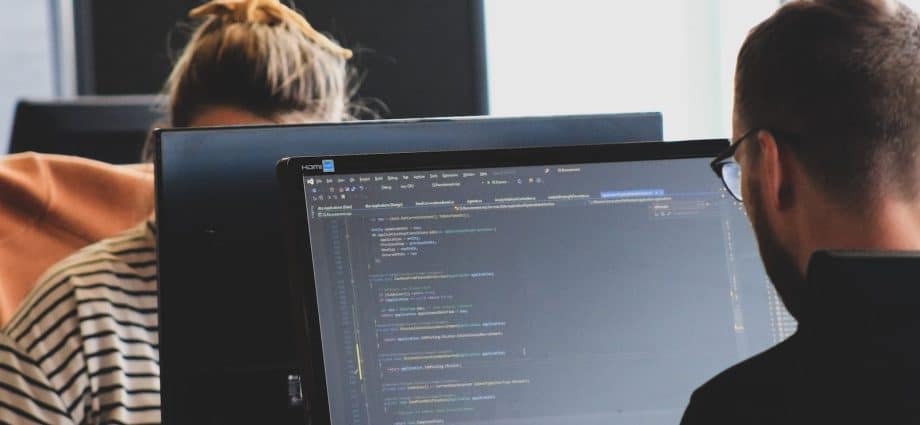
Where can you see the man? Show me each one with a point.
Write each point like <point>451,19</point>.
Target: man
<point>827,157</point>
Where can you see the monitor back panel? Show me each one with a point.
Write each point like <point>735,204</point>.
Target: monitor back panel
<point>385,36</point>
<point>225,323</point>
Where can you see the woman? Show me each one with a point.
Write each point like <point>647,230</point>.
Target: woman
<point>84,345</point>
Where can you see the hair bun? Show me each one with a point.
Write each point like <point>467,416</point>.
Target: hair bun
<point>267,12</point>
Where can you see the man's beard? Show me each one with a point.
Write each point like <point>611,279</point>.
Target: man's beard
<point>780,264</point>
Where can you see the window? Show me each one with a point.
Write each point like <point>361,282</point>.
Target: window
<point>588,56</point>
<point>25,57</point>
<point>914,4</point>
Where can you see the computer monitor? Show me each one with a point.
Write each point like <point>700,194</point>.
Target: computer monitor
<point>226,334</point>
<point>105,128</point>
<point>574,285</point>
<point>421,59</point>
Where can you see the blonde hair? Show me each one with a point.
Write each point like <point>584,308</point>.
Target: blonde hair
<point>263,57</point>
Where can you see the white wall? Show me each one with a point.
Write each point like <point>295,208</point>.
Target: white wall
<point>595,56</point>
<point>25,57</point>
<point>545,57</point>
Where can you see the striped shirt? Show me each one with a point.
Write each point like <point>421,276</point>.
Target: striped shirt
<point>83,347</point>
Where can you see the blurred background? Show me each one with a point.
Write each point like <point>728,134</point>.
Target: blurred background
<point>423,58</point>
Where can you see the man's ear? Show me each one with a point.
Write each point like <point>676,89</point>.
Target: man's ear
<point>775,174</point>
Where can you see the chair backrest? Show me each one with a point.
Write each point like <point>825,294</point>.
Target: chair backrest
<point>106,128</point>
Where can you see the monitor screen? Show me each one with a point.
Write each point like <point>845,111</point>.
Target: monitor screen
<point>593,293</point>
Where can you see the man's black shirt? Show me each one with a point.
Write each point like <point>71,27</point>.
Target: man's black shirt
<point>854,359</point>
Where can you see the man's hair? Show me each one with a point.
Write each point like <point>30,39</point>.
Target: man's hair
<point>843,75</point>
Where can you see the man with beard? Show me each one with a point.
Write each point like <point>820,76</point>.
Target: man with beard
<point>826,156</point>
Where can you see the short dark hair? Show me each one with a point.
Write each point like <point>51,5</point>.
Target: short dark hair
<point>845,76</point>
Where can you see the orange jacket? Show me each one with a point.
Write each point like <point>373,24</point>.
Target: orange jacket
<point>52,205</point>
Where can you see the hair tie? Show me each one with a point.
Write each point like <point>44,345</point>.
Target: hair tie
<point>264,11</point>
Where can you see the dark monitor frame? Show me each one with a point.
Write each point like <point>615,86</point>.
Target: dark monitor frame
<point>384,37</point>
<point>42,125</point>
<point>300,267</point>
<point>195,172</point>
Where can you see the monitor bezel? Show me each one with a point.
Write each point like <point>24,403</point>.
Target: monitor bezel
<point>300,264</point>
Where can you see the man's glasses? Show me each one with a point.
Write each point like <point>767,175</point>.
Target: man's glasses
<point>728,169</point>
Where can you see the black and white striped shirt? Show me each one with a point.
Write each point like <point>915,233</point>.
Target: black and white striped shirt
<point>83,347</point>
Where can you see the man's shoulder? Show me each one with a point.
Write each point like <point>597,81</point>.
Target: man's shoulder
<point>748,390</point>
<point>771,367</point>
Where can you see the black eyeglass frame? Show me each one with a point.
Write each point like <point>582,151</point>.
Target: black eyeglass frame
<point>728,156</point>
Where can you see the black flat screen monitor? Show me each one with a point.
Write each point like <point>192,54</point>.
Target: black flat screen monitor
<point>226,332</point>
<point>420,58</point>
<point>105,128</point>
<point>543,286</point>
